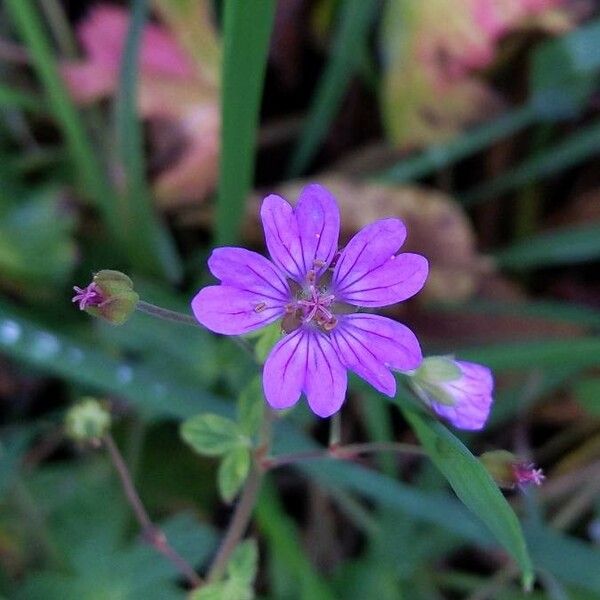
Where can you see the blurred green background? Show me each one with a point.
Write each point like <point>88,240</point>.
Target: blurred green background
<point>138,135</point>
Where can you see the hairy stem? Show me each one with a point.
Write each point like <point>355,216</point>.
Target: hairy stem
<point>345,452</point>
<point>165,313</point>
<point>245,506</point>
<point>176,317</point>
<point>150,532</point>
<point>237,526</point>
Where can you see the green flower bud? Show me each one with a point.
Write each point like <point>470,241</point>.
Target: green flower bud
<point>87,421</point>
<point>110,296</point>
<point>508,470</point>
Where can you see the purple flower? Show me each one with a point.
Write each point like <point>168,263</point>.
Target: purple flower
<point>458,391</point>
<point>315,291</point>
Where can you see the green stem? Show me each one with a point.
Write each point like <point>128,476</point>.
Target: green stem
<point>335,430</point>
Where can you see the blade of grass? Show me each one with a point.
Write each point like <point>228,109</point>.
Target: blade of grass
<point>538,354</point>
<point>148,244</point>
<point>247,30</point>
<point>472,484</point>
<point>438,157</point>
<point>13,98</point>
<point>90,173</point>
<point>561,247</point>
<point>284,544</point>
<point>540,309</point>
<point>82,364</point>
<point>343,63</point>
<point>575,149</point>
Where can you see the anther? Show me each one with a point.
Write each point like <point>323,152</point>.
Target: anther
<point>318,263</point>
<point>260,307</point>
<point>329,325</point>
<point>311,277</point>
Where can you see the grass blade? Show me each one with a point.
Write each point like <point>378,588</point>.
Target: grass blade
<point>353,28</point>
<point>561,247</point>
<point>539,354</point>
<point>148,244</point>
<point>247,30</point>
<point>573,150</point>
<point>13,98</point>
<point>438,157</point>
<point>473,485</point>
<point>284,542</point>
<point>91,176</point>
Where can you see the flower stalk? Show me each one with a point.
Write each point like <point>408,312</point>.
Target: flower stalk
<point>151,534</point>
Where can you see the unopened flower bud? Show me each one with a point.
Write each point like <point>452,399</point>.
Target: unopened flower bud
<point>509,471</point>
<point>110,296</point>
<point>458,391</point>
<point>87,421</point>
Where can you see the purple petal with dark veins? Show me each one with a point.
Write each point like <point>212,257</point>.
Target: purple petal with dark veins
<point>241,268</point>
<point>285,370</point>
<point>326,379</point>
<point>233,311</point>
<point>303,239</point>
<point>371,345</point>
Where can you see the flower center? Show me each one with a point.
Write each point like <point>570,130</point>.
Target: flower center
<point>312,304</point>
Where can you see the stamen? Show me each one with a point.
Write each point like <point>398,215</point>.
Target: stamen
<point>318,263</point>
<point>311,277</point>
<point>261,306</point>
<point>329,325</point>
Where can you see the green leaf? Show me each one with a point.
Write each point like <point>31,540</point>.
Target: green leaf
<point>36,248</point>
<point>473,485</point>
<point>241,571</point>
<point>233,472</point>
<point>587,393</point>
<point>149,245</point>
<point>211,591</point>
<point>212,435</point>
<point>246,33</point>
<point>269,336</point>
<point>85,364</point>
<point>344,61</point>
<point>251,407</point>
<point>243,564</point>
<point>564,72</point>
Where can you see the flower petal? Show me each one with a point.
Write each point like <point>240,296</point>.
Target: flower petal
<point>232,311</point>
<point>285,370</point>
<point>305,238</point>
<point>472,395</point>
<point>398,278</point>
<point>371,345</point>
<point>369,248</point>
<point>282,237</point>
<point>326,380</point>
<point>318,220</point>
<point>246,270</point>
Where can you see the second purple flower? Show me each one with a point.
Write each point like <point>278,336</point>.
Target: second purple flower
<point>315,292</point>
